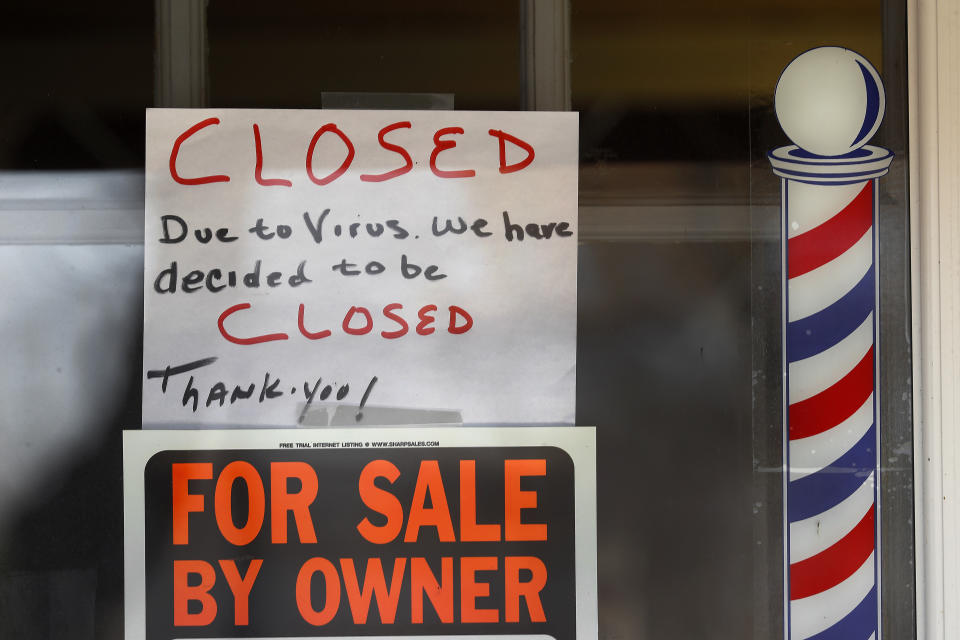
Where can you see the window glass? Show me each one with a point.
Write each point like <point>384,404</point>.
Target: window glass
<point>77,77</point>
<point>679,358</point>
<point>287,54</point>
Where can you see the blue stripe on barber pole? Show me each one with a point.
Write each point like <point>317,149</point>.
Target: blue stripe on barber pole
<point>817,492</point>
<point>871,114</point>
<point>862,619</point>
<point>817,333</point>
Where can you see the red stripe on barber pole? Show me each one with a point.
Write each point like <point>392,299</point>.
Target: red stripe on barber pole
<point>831,239</point>
<point>832,566</point>
<point>835,404</point>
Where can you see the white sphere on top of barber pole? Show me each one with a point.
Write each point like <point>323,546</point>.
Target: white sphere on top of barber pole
<point>830,101</point>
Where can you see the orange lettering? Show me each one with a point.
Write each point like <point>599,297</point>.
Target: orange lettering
<point>470,531</point>
<point>374,583</point>
<point>423,581</point>
<point>470,590</point>
<point>529,591</point>
<point>331,601</point>
<point>183,593</point>
<point>183,501</point>
<point>223,497</point>
<point>438,514</point>
<point>240,586</point>
<point>515,500</point>
<point>381,501</point>
<point>281,501</point>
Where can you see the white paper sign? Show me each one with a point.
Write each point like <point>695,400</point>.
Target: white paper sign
<point>380,259</point>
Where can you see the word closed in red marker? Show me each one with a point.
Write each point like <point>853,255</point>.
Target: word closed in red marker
<point>444,140</point>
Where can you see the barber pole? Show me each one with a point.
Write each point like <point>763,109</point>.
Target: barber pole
<point>830,102</point>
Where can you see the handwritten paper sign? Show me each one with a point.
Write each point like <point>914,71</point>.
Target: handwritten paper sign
<point>390,259</point>
<point>348,533</point>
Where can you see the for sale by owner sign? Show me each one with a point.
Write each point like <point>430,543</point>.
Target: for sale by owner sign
<point>340,533</point>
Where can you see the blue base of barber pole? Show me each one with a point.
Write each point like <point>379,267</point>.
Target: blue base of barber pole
<point>831,418</point>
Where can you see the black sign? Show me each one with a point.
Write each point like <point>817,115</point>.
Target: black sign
<point>360,542</point>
